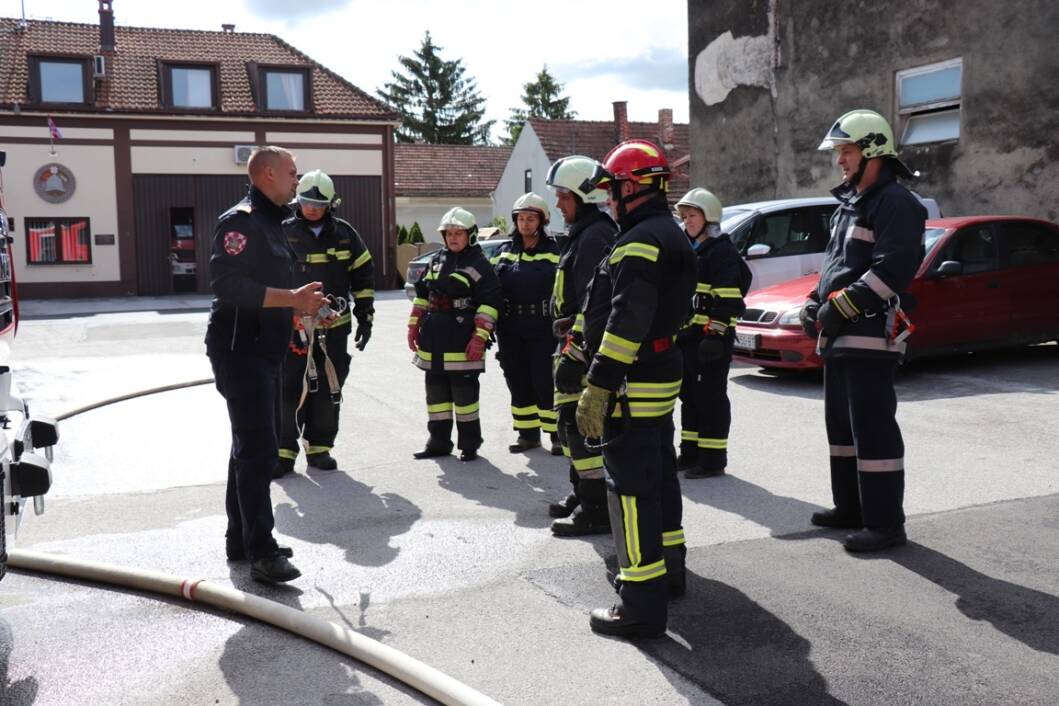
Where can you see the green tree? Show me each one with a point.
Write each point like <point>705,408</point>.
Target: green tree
<point>437,102</point>
<point>540,99</point>
<point>415,233</point>
<point>499,222</point>
<point>402,235</point>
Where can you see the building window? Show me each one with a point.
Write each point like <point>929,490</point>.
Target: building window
<point>527,180</point>
<point>58,80</point>
<point>58,241</point>
<point>189,87</point>
<point>285,90</point>
<point>928,102</point>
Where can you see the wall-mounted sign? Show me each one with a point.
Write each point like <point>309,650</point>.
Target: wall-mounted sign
<point>103,238</point>
<point>54,183</point>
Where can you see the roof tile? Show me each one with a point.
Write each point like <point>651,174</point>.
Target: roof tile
<point>447,170</point>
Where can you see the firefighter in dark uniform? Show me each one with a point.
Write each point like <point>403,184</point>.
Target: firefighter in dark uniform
<point>590,237</point>
<point>329,250</point>
<point>706,340</point>
<point>872,256</point>
<point>246,338</point>
<point>636,304</point>
<point>454,313</point>
<point>525,267</point>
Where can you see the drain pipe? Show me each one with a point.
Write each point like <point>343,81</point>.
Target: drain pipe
<point>422,677</point>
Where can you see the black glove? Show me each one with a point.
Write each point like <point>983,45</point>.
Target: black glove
<point>711,347</point>
<point>363,335</point>
<point>831,319</point>
<point>808,318</point>
<point>568,375</point>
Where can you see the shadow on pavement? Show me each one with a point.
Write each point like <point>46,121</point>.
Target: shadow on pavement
<point>788,383</point>
<point>1022,613</point>
<point>736,650</point>
<point>484,483</point>
<point>22,692</point>
<point>329,507</point>
<point>780,514</point>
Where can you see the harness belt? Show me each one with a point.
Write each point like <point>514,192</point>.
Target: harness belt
<point>539,308</point>
<point>335,306</point>
<point>440,302</point>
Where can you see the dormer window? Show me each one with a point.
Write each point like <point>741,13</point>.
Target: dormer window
<point>285,89</point>
<point>189,86</point>
<point>58,80</point>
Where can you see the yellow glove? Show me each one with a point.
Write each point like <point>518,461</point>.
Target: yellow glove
<point>592,411</point>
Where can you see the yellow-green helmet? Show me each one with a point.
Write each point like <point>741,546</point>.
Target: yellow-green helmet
<point>703,200</point>
<point>315,188</point>
<point>579,175</point>
<point>864,128</point>
<point>531,203</point>
<point>457,217</point>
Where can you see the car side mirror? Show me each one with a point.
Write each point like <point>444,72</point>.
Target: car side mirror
<point>950,268</point>
<point>758,250</point>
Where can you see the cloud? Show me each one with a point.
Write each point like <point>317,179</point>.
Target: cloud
<point>293,12</point>
<point>658,69</point>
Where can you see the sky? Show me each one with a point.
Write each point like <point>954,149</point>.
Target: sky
<point>602,51</point>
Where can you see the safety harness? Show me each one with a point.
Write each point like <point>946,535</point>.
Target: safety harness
<point>307,330</point>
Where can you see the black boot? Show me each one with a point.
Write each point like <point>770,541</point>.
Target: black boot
<point>585,520</point>
<point>525,442</point>
<point>468,454</point>
<point>696,471</point>
<point>872,540</point>
<point>564,507</point>
<point>283,467</point>
<point>557,448</point>
<point>236,552</point>
<point>613,621</point>
<point>836,518</point>
<point>322,461</point>
<point>434,448</point>
<point>686,459</point>
<point>273,569</point>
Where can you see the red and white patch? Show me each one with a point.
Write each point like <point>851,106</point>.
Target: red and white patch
<point>234,242</point>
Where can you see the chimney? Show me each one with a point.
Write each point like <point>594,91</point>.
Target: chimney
<point>621,120</point>
<point>106,26</point>
<point>665,128</point>
<point>229,28</point>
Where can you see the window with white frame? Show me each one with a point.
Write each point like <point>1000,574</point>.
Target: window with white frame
<point>928,102</point>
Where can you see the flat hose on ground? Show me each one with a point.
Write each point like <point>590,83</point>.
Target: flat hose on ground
<point>422,677</point>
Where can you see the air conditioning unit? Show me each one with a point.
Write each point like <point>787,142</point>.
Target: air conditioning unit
<point>242,153</point>
<point>99,66</point>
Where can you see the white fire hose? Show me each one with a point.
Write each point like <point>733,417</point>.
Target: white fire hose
<point>418,675</point>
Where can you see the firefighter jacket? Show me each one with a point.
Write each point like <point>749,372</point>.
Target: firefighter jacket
<point>588,242</point>
<point>723,279</point>
<point>638,300</point>
<point>459,296</point>
<point>526,278</point>
<point>249,254</point>
<point>338,258</point>
<point>875,249</point>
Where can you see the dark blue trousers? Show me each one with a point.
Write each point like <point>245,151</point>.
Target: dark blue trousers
<point>250,386</point>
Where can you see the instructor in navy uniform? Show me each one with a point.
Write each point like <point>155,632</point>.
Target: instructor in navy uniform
<point>247,336</point>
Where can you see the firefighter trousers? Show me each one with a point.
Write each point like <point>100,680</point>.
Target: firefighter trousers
<point>250,386</point>
<point>867,452</point>
<point>449,393</point>
<point>705,411</point>
<point>646,511</point>
<point>586,465</point>
<point>526,345</point>
<point>319,413</point>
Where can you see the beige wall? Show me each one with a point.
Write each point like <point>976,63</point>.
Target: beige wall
<point>279,138</point>
<point>236,137</point>
<point>220,160</point>
<point>94,198</point>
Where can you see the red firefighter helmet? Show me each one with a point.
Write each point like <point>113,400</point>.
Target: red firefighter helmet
<point>641,161</point>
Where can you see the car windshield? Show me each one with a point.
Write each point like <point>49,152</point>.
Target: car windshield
<point>732,217</point>
<point>489,248</point>
<point>931,237</point>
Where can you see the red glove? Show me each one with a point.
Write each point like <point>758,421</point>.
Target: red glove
<point>475,348</point>
<point>413,328</point>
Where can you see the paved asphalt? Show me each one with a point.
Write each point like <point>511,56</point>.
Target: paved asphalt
<point>453,564</point>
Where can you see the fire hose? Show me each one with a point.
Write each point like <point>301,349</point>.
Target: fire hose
<point>412,672</point>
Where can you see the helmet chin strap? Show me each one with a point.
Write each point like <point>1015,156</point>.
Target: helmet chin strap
<point>857,175</point>
<point>615,192</point>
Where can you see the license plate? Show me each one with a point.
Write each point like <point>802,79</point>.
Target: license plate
<point>748,341</point>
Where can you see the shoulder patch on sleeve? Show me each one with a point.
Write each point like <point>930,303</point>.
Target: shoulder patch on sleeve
<point>244,207</point>
<point>234,242</point>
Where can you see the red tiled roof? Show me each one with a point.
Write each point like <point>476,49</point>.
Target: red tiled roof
<point>594,138</point>
<point>447,170</point>
<point>132,74</point>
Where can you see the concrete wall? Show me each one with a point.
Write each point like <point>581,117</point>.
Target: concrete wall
<point>768,78</point>
<point>428,212</point>
<point>526,154</point>
<point>94,198</point>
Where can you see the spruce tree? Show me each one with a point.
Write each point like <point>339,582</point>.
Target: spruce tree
<point>438,103</point>
<point>415,233</point>
<point>541,99</point>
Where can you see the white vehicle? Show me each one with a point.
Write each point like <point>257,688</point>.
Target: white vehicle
<point>786,238</point>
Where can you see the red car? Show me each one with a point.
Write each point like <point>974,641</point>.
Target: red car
<point>985,282</point>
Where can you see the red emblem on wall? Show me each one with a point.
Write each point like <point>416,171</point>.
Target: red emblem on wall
<point>234,242</point>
